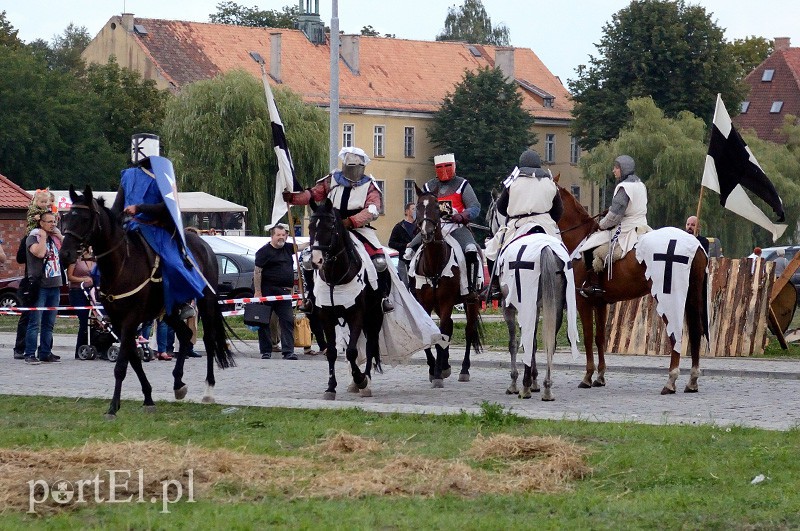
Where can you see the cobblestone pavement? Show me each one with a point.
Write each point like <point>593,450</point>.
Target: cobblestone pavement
<point>733,391</point>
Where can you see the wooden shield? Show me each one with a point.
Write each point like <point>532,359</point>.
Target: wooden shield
<point>783,306</point>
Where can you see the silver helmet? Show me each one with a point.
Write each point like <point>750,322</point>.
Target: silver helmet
<point>353,161</point>
<point>144,145</point>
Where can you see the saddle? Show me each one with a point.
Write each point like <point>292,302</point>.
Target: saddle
<point>600,253</point>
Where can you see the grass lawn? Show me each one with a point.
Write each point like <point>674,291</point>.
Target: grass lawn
<point>350,469</point>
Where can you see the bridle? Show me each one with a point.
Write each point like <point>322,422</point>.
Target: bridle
<point>428,237</point>
<point>329,258</point>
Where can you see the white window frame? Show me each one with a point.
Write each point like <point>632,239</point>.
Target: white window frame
<point>348,135</point>
<point>382,187</point>
<point>409,138</point>
<point>409,192</point>
<point>550,147</point>
<point>744,107</point>
<point>379,141</point>
<point>574,150</point>
<point>575,190</point>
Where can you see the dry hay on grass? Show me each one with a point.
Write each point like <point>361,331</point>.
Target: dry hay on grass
<point>341,465</point>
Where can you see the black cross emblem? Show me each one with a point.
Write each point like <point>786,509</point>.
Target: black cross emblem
<point>359,280</point>
<point>670,258</point>
<point>516,266</point>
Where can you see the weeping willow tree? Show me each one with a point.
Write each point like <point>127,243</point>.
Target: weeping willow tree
<point>218,135</point>
<point>670,155</point>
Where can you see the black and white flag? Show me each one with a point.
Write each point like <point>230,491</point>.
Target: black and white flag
<point>731,167</point>
<point>285,179</point>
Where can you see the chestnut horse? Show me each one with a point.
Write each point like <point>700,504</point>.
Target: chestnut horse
<point>627,282</point>
<point>441,291</point>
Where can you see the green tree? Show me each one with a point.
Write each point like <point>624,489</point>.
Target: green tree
<point>472,24</point>
<point>670,156</point>
<point>664,49</point>
<point>482,121</point>
<point>369,31</point>
<point>749,52</point>
<point>233,13</point>
<point>219,137</point>
<point>8,35</point>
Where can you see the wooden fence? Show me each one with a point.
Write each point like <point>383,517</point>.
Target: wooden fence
<point>738,304</point>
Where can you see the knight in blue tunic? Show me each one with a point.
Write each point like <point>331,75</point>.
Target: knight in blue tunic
<point>147,192</point>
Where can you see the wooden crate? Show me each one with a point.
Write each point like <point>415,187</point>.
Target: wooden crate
<point>738,301</point>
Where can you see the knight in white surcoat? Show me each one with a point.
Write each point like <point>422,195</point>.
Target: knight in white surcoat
<point>620,227</point>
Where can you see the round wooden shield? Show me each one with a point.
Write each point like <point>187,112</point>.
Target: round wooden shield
<point>783,306</point>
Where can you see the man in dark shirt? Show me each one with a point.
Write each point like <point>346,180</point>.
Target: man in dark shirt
<point>402,233</point>
<point>693,228</point>
<point>274,275</point>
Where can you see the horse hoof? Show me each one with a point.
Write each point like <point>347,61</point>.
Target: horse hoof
<point>463,377</point>
<point>598,383</point>
<point>110,416</point>
<point>207,400</point>
<point>329,395</point>
<point>525,395</point>
<point>535,389</point>
<point>584,385</point>
<point>149,409</point>
<point>512,391</point>
<point>690,390</point>
<point>667,391</point>
<point>437,384</point>
<point>180,393</point>
<point>446,373</point>
<point>352,388</point>
<point>365,393</point>
<point>548,398</point>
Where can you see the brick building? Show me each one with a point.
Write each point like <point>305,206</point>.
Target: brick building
<point>14,202</point>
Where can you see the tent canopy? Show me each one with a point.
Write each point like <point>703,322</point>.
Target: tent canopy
<point>188,201</point>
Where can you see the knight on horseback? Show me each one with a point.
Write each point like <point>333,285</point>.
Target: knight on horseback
<point>620,227</point>
<point>141,195</point>
<point>529,203</point>
<point>459,206</point>
<point>358,199</point>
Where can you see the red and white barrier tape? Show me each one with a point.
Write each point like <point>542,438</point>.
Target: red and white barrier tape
<point>270,298</point>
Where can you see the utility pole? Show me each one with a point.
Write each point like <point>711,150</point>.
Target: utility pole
<point>334,118</point>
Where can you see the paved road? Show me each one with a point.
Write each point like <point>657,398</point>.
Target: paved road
<point>746,392</point>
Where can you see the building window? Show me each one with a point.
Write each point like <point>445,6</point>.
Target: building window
<point>378,141</point>
<point>409,192</point>
<point>574,150</point>
<point>767,75</point>
<point>347,135</point>
<point>550,147</point>
<point>776,107</point>
<point>576,191</point>
<point>745,106</point>
<point>382,187</point>
<point>547,103</point>
<point>408,142</point>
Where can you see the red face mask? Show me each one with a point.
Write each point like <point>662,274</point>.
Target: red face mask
<point>446,171</point>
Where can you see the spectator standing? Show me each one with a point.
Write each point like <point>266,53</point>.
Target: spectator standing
<point>44,276</point>
<point>80,280</point>
<point>780,262</point>
<point>402,234</point>
<point>311,309</point>
<point>274,275</point>
<point>693,227</point>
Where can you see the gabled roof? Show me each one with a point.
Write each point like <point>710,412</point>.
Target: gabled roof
<point>784,87</point>
<point>11,195</point>
<point>393,74</point>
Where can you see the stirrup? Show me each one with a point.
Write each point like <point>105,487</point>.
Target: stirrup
<point>591,290</point>
<point>305,306</point>
<point>387,305</point>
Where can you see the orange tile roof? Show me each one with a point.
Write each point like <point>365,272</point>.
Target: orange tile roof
<point>785,87</point>
<point>395,74</point>
<point>11,195</point>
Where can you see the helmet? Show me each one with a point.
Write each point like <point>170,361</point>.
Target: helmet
<point>530,159</point>
<point>353,161</point>
<point>144,145</point>
<point>626,165</point>
<point>445,166</point>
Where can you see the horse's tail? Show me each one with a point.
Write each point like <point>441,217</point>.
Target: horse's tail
<point>552,297</point>
<point>474,329</point>
<point>214,325</point>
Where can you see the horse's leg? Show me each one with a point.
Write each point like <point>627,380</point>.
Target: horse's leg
<point>127,352</point>
<point>136,364</point>
<point>431,363</point>
<point>472,336</point>
<point>695,309</point>
<point>510,316</point>
<point>359,378</point>
<point>586,313</point>
<point>183,334</point>
<point>534,383</point>
<point>601,315</point>
<point>329,324</point>
<point>442,366</point>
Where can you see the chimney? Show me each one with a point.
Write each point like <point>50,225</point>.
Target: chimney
<point>349,52</point>
<point>504,60</point>
<point>275,57</point>
<point>782,43</point>
<point>127,21</point>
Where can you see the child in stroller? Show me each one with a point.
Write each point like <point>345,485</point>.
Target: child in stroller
<point>102,338</point>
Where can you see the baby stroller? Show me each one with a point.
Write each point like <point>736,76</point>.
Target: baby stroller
<point>102,338</point>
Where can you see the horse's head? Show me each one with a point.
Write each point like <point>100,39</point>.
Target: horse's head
<point>428,215</point>
<point>327,233</point>
<point>575,223</point>
<point>80,225</point>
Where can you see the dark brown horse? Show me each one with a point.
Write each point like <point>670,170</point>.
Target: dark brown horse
<point>627,282</point>
<point>132,293</point>
<point>442,291</point>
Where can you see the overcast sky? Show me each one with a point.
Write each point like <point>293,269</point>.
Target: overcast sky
<point>562,33</point>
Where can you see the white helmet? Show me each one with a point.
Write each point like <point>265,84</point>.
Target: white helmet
<point>144,145</point>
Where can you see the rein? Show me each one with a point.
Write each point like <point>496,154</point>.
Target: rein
<point>581,224</point>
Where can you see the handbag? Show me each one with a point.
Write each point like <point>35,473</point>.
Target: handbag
<point>302,331</point>
<point>256,314</point>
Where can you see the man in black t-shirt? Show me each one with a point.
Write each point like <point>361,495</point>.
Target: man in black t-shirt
<point>274,275</point>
